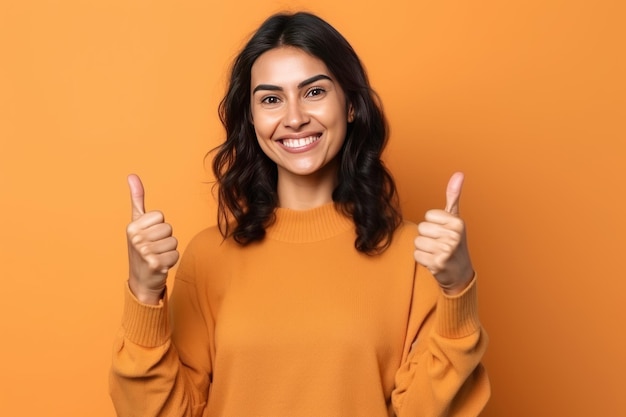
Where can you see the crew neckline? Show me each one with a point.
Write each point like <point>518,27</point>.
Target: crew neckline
<point>309,225</point>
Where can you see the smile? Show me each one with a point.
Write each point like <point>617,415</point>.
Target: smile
<point>299,143</point>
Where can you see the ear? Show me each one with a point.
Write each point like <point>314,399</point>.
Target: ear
<point>350,113</point>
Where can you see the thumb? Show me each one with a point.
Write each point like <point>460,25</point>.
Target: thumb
<point>136,196</point>
<point>453,193</point>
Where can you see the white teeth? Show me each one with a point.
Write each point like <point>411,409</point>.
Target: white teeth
<point>298,143</point>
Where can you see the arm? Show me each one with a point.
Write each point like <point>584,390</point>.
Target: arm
<point>152,373</point>
<point>442,374</point>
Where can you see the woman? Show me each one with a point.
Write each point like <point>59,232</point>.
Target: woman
<point>306,299</point>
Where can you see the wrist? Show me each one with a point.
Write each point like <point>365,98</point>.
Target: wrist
<point>459,287</point>
<point>145,295</point>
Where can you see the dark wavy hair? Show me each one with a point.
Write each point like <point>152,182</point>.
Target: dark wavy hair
<point>247,178</point>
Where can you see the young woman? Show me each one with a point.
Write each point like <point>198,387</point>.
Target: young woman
<point>311,297</point>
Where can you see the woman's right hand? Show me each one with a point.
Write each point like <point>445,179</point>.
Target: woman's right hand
<point>151,248</point>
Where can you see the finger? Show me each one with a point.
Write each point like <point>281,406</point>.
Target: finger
<point>154,234</point>
<point>168,259</point>
<point>162,262</point>
<point>443,218</point>
<point>147,220</point>
<point>136,196</point>
<point>423,258</point>
<point>433,230</point>
<point>453,193</point>
<point>426,245</point>
<point>428,260</point>
<point>163,246</point>
<point>156,254</point>
<point>435,246</point>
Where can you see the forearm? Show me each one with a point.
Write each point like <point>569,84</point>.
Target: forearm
<point>443,375</point>
<point>147,378</point>
<point>147,381</point>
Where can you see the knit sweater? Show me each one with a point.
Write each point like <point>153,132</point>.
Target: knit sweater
<point>301,324</point>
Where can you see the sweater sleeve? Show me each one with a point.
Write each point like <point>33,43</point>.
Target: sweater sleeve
<point>441,374</point>
<point>155,373</point>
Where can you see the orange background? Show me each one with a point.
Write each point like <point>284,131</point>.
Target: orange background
<point>528,98</point>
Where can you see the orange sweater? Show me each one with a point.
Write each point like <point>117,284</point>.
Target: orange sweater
<point>301,325</point>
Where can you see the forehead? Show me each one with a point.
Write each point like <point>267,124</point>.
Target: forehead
<point>286,65</point>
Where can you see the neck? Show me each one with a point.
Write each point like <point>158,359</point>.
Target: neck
<point>302,192</point>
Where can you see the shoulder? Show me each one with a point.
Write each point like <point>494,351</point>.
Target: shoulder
<point>206,238</point>
<point>203,252</point>
<point>401,246</point>
<point>406,232</point>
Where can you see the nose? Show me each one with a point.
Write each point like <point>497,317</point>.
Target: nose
<point>295,115</point>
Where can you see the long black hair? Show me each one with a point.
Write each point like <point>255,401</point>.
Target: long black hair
<point>247,178</point>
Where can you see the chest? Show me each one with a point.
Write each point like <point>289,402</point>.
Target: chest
<point>298,297</point>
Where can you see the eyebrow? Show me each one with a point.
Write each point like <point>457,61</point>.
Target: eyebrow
<point>306,82</point>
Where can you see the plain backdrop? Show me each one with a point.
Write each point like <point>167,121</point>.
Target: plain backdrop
<point>528,98</point>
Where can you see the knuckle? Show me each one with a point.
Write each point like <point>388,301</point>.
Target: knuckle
<point>447,248</point>
<point>431,212</point>
<point>457,224</point>
<point>451,235</point>
<point>136,239</point>
<point>158,216</point>
<point>131,229</point>
<point>440,261</point>
<point>154,264</point>
<point>172,259</point>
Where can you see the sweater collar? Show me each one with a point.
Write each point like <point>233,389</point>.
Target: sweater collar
<point>310,225</point>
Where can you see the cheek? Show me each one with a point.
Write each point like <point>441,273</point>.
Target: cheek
<point>259,137</point>
<point>333,114</point>
<point>264,125</point>
<point>263,140</point>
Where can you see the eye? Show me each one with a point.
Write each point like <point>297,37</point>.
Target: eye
<point>270,100</point>
<point>315,92</point>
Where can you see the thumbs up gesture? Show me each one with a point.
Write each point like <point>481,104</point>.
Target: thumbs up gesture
<point>442,246</point>
<point>151,248</point>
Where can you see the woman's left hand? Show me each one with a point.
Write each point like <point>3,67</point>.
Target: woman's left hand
<point>442,246</point>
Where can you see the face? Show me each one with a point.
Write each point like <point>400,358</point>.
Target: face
<point>298,110</point>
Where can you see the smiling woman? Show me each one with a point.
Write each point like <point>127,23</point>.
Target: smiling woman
<point>306,299</point>
<point>248,180</point>
<point>300,117</point>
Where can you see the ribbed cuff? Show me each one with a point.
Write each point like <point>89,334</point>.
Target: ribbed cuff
<point>457,316</point>
<point>145,325</point>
